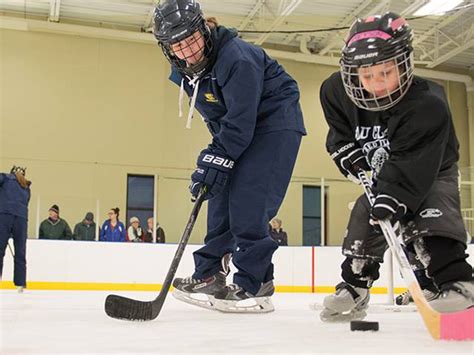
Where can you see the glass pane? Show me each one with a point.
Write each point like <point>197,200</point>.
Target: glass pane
<point>311,231</point>
<point>311,201</point>
<point>140,192</point>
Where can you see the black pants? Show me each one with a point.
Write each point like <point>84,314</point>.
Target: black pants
<point>447,263</point>
<point>435,232</point>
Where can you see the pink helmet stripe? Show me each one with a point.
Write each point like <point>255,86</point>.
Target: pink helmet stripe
<point>369,34</point>
<point>397,23</point>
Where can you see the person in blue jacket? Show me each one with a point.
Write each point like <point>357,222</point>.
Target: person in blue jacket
<point>112,229</point>
<point>14,198</point>
<point>251,108</point>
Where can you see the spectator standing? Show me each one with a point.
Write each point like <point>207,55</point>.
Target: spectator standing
<point>277,233</point>
<point>85,230</point>
<point>160,233</point>
<point>135,232</point>
<point>112,229</point>
<point>55,227</point>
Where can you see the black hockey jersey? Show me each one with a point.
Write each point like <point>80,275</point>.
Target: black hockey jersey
<point>406,145</point>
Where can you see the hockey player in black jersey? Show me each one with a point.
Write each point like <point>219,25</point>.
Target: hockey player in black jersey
<point>384,119</point>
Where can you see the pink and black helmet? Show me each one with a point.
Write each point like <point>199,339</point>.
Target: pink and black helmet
<point>375,40</point>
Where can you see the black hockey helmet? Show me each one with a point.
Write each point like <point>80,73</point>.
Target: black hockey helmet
<point>175,20</point>
<point>376,40</point>
<point>18,170</point>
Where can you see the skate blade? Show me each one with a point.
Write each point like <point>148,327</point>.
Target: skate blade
<point>251,305</point>
<point>330,316</point>
<point>199,299</point>
<point>375,308</point>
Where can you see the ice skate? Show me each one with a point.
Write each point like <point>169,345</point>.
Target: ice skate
<point>348,303</point>
<point>200,292</point>
<point>20,289</point>
<point>234,299</point>
<point>454,297</point>
<point>405,298</point>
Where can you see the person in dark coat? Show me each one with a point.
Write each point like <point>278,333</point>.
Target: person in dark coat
<point>277,233</point>
<point>85,230</point>
<point>14,198</point>
<point>55,227</point>
<point>160,233</point>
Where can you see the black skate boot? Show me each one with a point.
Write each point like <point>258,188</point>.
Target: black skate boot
<point>234,299</point>
<point>200,292</point>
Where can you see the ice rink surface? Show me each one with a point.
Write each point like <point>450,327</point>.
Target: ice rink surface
<point>67,322</point>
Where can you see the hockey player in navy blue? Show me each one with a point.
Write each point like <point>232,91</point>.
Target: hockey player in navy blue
<point>251,107</point>
<point>14,198</point>
<point>382,118</point>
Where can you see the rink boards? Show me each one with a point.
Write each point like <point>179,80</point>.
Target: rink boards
<point>74,265</point>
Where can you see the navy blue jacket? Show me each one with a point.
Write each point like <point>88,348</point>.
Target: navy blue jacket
<point>244,94</point>
<point>13,198</point>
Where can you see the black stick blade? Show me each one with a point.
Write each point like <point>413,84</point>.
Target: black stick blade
<point>119,307</point>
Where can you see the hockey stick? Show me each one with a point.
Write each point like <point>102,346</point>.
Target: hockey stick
<point>448,326</point>
<point>129,309</point>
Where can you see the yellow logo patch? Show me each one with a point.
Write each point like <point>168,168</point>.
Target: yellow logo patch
<point>210,98</point>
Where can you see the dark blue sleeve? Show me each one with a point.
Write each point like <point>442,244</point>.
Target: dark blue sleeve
<point>242,90</point>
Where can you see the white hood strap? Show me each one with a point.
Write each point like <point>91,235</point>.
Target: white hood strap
<point>194,82</point>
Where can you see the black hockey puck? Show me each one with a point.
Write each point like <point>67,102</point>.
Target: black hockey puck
<point>364,325</point>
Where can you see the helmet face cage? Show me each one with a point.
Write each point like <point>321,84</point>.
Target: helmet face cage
<point>403,63</point>
<point>200,39</point>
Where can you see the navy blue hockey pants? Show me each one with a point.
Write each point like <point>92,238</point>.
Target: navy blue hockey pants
<point>238,218</point>
<point>15,227</point>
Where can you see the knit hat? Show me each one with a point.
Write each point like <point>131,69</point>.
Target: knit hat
<point>89,217</point>
<point>55,208</point>
<point>134,219</point>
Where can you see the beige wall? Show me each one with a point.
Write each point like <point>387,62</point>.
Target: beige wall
<point>81,113</point>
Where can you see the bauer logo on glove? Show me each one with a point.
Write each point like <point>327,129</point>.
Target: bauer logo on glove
<point>212,171</point>
<point>219,161</point>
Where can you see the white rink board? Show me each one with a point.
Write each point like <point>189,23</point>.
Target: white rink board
<point>128,263</point>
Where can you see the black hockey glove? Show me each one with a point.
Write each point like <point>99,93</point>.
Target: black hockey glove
<point>212,171</point>
<point>387,207</point>
<point>347,158</point>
